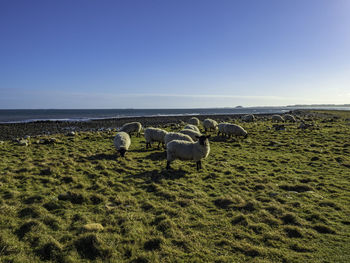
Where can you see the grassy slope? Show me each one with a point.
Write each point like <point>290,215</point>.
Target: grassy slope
<point>274,197</point>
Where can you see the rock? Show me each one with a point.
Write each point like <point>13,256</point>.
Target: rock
<point>93,227</point>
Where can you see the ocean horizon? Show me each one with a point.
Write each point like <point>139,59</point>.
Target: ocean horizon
<point>34,115</point>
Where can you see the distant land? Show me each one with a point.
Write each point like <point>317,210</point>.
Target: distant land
<point>297,106</point>
<point>319,105</point>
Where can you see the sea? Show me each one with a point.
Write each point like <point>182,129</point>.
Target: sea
<point>33,115</point>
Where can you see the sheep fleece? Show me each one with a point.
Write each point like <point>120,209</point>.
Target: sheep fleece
<point>122,140</point>
<point>183,150</point>
<point>154,135</point>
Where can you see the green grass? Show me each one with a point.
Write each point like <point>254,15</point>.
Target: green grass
<point>273,197</point>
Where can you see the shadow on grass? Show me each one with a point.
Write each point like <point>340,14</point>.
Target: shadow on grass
<point>158,175</point>
<point>144,150</point>
<point>224,139</point>
<point>101,156</point>
<point>156,156</point>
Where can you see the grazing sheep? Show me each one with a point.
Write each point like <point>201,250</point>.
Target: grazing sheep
<point>170,136</point>
<point>236,130</point>
<point>184,150</point>
<point>221,128</point>
<point>277,118</point>
<point>289,117</point>
<point>210,124</point>
<point>132,127</point>
<point>193,134</point>
<point>154,135</point>
<point>122,142</point>
<point>248,118</point>
<point>193,121</point>
<point>191,127</point>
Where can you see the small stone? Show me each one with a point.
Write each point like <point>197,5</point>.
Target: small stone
<point>93,227</point>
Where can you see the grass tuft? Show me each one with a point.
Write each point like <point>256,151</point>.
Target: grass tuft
<point>89,246</point>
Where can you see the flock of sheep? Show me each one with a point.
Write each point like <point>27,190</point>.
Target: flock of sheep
<point>187,144</point>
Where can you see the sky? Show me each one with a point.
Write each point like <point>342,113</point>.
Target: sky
<point>173,54</point>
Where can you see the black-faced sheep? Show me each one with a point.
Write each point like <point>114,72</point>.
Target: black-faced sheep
<point>210,124</point>
<point>184,150</point>
<point>132,127</point>
<point>154,135</point>
<point>193,121</point>
<point>122,142</point>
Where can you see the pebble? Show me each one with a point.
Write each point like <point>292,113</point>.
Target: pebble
<point>93,227</point>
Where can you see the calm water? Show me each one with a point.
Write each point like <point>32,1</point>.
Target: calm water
<point>90,114</point>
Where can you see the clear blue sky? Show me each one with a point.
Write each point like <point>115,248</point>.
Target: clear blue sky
<point>173,54</point>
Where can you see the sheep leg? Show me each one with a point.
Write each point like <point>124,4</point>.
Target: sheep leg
<point>199,165</point>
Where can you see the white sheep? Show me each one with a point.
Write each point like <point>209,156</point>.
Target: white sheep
<point>154,135</point>
<point>191,127</point>
<point>170,136</point>
<point>221,128</point>
<point>289,117</point>
<point>277,118</point>
<point>122,142</point>
<point>193,121</point>
<point>193,134</point>
<point>248,118</point>
<point>131,127</point>
<point>210,124</point>
<point>184,150</point>
<point>236,130</point>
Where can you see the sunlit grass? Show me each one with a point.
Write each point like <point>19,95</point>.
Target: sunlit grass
<point>277,196</point>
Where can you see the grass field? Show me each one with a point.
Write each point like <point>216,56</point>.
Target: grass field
<point>277,196</point>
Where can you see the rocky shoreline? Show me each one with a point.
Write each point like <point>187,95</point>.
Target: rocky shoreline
<point>10,131</point>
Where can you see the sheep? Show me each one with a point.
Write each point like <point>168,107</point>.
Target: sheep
<point>193,134</point>
<point>170,136</point>
<point>184,150</point>
<point>122,142</point>
<point>132,127</point>
<point>289,117</point>
<point>154,135</point>
<point>209,124</point>
<point>193,121</point>
<point>191,127</point>
<point>221,128</point>
<point>248,118</point>
<point>277,118</point>
<point>233,129</point>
